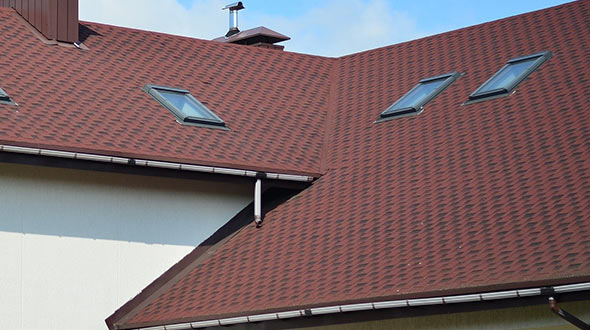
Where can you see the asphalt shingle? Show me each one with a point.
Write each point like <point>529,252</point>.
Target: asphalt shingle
<point>459,199</point>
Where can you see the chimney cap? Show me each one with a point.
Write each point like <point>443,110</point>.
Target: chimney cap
<point>234,6</point>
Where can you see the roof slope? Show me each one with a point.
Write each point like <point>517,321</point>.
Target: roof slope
<point>275,104</point>
<point>459,199</point>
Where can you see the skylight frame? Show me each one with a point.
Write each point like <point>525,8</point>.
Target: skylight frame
<point>392,112</point>
<point>181,117</point>
<point>481,94</point>
<point>6,99</point>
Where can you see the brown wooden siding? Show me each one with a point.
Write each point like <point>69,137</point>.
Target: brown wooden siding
<point>55,19</point>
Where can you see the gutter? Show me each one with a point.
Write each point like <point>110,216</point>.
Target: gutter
<point>377,305</point>
<point>153,163</point>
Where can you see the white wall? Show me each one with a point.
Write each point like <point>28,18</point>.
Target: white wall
<point>76,245</point>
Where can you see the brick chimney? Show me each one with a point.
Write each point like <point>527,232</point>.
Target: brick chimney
<point>55,19</point>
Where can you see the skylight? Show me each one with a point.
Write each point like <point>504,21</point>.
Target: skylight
<point>184,106</point>
<point>5,99</point>
<point>413,101</point>
<point>505,80</point>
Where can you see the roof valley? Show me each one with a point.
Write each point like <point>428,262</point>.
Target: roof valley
<point>325,157</point>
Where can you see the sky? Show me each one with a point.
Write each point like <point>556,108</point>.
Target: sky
<point>326,27</point>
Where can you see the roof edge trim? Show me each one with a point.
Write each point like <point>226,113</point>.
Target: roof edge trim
<point>153,163</point>
<point>476,297</point>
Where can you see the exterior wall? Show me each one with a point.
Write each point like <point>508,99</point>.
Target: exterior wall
<point>76,245</point>
<point>521,318</point>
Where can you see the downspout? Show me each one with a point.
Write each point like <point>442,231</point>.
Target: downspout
<point>567,316</point>
<point>258,203</point>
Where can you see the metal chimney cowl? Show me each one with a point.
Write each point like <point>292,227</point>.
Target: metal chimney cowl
<point>233,17</point>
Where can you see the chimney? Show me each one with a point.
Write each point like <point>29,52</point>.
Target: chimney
<point>233,17</point>
<point>55,19</point>
<point>256,37</point>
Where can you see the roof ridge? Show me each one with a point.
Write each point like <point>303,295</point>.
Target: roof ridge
<point>197,39</point>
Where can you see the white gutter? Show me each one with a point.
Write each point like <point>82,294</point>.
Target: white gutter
<point>153,163</point>
<point>444,300</point>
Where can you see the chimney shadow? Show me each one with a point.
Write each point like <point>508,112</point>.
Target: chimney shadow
<point>85,32</point>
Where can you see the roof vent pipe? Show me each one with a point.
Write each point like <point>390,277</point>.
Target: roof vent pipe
<point>233,17</point>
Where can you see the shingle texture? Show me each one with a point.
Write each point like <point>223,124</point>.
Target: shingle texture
<point>274,103</point>
<point>459,199</point>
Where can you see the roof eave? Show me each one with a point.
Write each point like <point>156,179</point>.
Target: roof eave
<point>366,306</point>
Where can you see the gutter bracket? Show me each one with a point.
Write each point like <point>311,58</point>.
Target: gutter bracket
<point>547,291</point>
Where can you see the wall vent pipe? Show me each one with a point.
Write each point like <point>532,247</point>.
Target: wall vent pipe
<point>233,17</point>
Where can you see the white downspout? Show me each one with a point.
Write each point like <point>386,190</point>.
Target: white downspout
<point>258,203</point>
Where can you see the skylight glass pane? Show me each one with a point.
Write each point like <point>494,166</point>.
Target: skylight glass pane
<point>421,92</point>
<point>508,75</point>
<point>417,97</point>
<point>185,104</point>
<point>185,107</point>
<point>514,72</point>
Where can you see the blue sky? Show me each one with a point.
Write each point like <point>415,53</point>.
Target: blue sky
<point>329,27</point>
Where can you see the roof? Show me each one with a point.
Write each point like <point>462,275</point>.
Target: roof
<point>458,199</point>
<point>275,105</point>
<point>261,31</point>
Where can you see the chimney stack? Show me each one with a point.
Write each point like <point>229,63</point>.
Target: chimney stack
<point>55,19</point>
<point>233,17</point>
<point>256,37</point>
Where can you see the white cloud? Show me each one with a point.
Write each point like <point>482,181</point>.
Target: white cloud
<point>332,28</point>
<point>342,27</point>
<point>204,19</point>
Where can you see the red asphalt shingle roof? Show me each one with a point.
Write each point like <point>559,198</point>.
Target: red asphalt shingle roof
<point>458,199</point>
<point>275,103</point>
